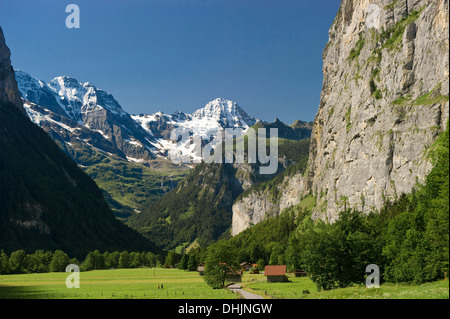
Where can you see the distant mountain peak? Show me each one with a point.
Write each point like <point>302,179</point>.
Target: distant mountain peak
<point>228,113</point>
<point>68,93</point>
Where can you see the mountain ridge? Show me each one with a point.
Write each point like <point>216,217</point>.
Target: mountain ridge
<point>138,138</point>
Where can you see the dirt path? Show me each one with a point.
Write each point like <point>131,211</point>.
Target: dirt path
<point>247,295</point>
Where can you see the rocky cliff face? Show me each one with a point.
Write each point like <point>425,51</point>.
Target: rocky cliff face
<point>256,206</point>
<point>384,100</point>
<point>8,85</point>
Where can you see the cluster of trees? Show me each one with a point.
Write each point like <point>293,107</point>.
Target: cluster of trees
<point>96,260</point>
<point>188,262</point>
<point>19,262</point>
<point>41,261</point>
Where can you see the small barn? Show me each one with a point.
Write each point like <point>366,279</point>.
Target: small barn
<point>275,273</point>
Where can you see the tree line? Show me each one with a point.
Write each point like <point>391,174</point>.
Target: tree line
<point>19,262</point>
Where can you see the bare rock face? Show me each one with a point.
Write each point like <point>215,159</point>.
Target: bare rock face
<point>8,84</point>
<point>256,206</point>
<point>385,98</point>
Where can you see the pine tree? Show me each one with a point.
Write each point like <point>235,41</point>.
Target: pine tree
<point>124,259</point>
<point>192,263</point>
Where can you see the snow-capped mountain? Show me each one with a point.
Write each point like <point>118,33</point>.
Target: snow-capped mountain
<point>75,113</point>
<point>78,113</point>
<point>227,114</point>
<point>216,115</point>
<point>205,123</point>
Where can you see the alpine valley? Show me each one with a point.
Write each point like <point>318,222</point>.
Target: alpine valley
<point>365,183</point>
<point>129,156</point>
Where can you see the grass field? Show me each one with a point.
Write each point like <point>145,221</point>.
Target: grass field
<point>178,284</point>
<point>304,288</point>
<point>106,284</point>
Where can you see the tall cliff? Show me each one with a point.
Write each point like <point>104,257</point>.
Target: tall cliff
<point>385,98</point>
<point>8,85</point>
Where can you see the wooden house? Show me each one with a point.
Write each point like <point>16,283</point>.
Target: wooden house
<point>275,273</point>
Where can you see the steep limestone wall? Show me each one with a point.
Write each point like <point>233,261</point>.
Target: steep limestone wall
<point>384,100</point>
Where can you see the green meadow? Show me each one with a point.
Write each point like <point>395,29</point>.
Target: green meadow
<point>138,283</point>
<point>304,288</point>
<point>143,283</point>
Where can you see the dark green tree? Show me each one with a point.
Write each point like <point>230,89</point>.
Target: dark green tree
<point>220,259</point>
<point>192,262</point>
<point>172,258</point>
<point>277,255</point>
<point>124,259</point>
<point>17,262</point>
<point>183,264</point>
<point>150,259</point>
<point>113,259</point>
<point>59,262</point>
<point>39,262</point>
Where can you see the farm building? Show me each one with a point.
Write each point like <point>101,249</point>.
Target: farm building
<point>275,273</point>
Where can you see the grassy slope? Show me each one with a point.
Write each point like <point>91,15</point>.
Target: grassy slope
<point>109,284</point>
<point>127,186</point>
<point>143,283</point>
<point>297,285</point>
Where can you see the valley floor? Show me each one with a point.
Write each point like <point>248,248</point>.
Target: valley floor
<point>159,283</point>
<point>140,283</point>
<point>304,288</point>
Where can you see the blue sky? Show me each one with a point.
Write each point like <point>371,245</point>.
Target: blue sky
<point>169,55</point>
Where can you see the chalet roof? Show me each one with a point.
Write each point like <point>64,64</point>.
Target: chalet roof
<point>275,270</point>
